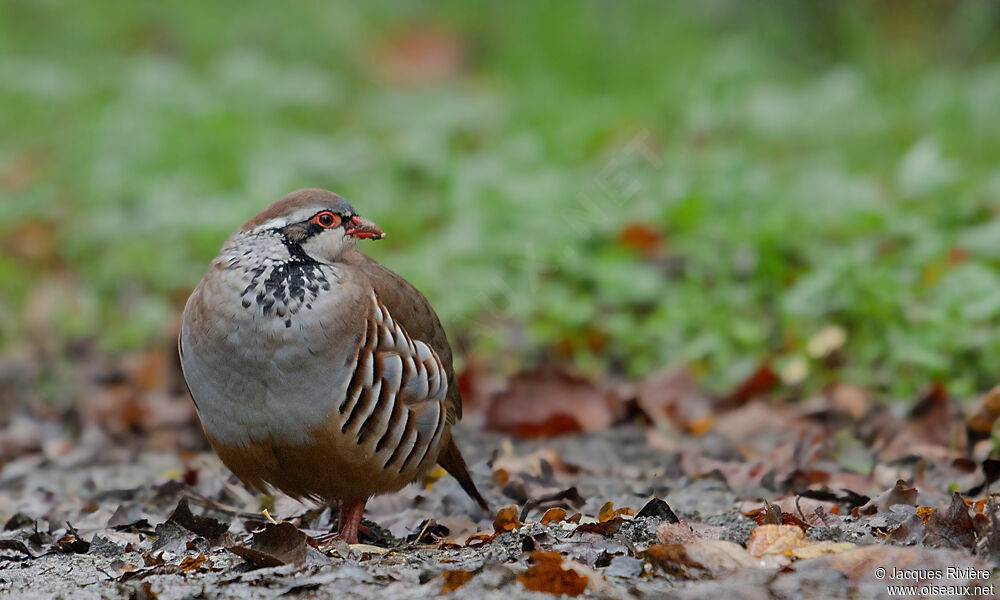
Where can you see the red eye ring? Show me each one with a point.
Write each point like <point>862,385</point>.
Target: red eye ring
<point>327,219</point>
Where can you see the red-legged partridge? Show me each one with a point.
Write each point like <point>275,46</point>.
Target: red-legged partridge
<point>314,369</point>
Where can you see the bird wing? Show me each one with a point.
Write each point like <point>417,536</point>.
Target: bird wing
<point>398,302</point>
<point>395,398</point>
<point>410,309</point>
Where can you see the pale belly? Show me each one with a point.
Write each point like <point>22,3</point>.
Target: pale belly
<point>254,377</point>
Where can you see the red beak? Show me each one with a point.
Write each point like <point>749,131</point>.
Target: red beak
<point>365,229</point>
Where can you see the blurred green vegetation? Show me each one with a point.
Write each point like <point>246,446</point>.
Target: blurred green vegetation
<point>625,185</point>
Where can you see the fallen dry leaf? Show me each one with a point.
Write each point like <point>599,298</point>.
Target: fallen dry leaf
<point>699,558</point>
<point>673,559</point>
<point>815,549</point>
<point>547,575</point>
<point>980,423</point>
<point>761,380</point>
<point>553,515</point>
<point>549,402</point>
<point>70,544</point>
<point>775,539</point>
<point>899,494</point>
<point>933,428</point>
<point>954,529</point>
<point>256,558</point>
<point>850,399</point>
<point>276,545</point>
<point>671,397</point>
<point>506,520</point>
<point>193,563</point>
<point>605,528</point>
<point>608,512</point>
<point>763,517</point>
<point>861,563</point>
<point>685,531</point>
<point>455,579</point>
<point>479,539</point>
<point>543,463</point>
<point>207,527</point>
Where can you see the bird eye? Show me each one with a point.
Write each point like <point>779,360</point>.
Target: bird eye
<point>326,219</point>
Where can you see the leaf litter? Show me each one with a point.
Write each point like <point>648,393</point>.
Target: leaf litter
<point>656,487</point>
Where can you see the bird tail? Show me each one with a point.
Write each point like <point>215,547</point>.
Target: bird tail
<point>452,461</point>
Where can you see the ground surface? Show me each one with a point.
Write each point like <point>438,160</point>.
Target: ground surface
<point>139,547</point>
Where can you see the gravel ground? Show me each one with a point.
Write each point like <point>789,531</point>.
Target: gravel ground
<point>120,503</point>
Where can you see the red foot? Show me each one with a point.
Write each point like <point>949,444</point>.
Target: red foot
<point>350,525</point>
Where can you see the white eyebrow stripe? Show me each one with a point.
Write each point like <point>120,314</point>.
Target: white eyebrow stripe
<point>275,223</point>
<point>299,215</point>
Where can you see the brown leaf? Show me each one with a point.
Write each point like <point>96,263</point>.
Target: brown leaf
<point>672,559</point>
<point>789,540</point>
<point>775,539</point>
<point>980,423</point>
<point>479,539</point>
<point>193,563</point>
<point>605,528</point>
<point>899,494</point>
<point>549,402</point>
<point>954,529</point>
<point>258,559</point>
<point>284,541</point>
<point>608,512</point>
<point>815,549</point>
<point>860,564</point>
<point>564,499</point>
<point>17,546</point>
<point>683,531</point>
<point>553,515</point>
<point>776,516</point>
<point>671,397</point>
<point>207,527</point>
<point>455,579</point>
<point>547,575</point>
<point>760,381</point>
<point>699,558</point>
<point>851,400</point>
<point>934,429</point>
<point>70,544</point>
<point>506,520</point>
<point>276,545</point>
<point>924,512</point>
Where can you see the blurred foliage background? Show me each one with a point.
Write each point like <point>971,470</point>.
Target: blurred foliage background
<point>617,185</point>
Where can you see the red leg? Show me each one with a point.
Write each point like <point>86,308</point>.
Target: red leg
<point>350,520</point>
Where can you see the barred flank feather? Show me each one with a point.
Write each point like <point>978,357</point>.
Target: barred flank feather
<point>394,403</point>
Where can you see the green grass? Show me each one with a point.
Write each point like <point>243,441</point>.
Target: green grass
<point>808,164</point>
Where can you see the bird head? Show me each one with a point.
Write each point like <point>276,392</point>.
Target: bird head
<point>317,222</point>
